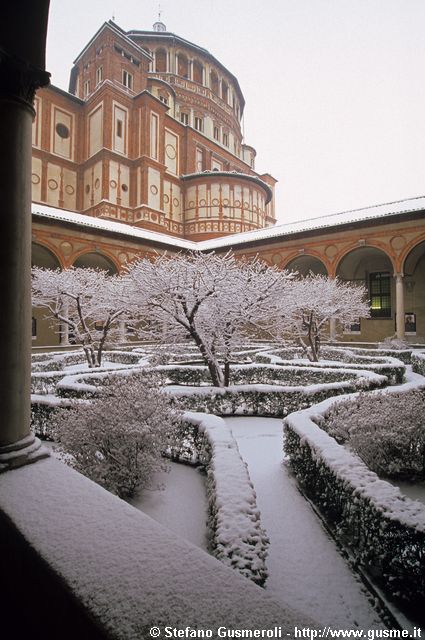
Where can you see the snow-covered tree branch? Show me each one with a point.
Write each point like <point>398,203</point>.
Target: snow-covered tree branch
<point>311,302</point>
<point>212,300</point>
<point>89,302</point>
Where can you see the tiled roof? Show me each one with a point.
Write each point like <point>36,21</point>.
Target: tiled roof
<point>279,231</point>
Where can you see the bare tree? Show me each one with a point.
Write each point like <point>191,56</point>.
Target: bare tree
<point>212,300</point>
<point>89,302</point>
<point>311,302</point>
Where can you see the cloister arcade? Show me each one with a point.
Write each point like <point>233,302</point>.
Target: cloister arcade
<point>394,277</point>
<point>42,331</point>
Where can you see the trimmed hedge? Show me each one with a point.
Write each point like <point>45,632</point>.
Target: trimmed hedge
<point>264,400</point>
<point>418,363</point>
<point>388,366</point>
<point>236,535</point>
<point>253,374</point>
<point>42,409</point>
<point>384,530</point>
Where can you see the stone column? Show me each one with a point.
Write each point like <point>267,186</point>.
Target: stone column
<point>65,327</point>
<point>399,301</point>
<point>18,83</point>
<point>332,329</point>
<point>123,331</point>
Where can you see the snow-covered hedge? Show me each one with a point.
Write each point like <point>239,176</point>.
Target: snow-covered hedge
<point>58,361</point>
<point>392,368</point>
<point>42,408</point>
<point>257,400</point>
<point>254,374</point>
<point>236,535</point>
<point>384,529</point>
<point>45,382</point>
<point>418,363</point>
<point>268,400</point>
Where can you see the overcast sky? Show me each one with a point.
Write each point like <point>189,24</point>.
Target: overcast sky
<point>334,89</point>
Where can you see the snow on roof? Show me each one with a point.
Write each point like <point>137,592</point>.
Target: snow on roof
<point>279,231</point>
<point>335,219</point>
<point>110,226</point>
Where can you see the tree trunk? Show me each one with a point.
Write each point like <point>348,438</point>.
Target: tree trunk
<point>92,360</point>
<point>226,373</point>
<point>213,366</point>
<point>313,348</point>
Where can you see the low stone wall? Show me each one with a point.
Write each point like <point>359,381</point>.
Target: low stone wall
<point>109,571</point>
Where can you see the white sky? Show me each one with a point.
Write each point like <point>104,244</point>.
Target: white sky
<point>334,89</point>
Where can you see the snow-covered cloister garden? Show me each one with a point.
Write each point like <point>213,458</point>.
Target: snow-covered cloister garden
<point>296,444</point>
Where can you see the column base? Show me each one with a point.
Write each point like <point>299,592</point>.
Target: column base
<point>24,451</point>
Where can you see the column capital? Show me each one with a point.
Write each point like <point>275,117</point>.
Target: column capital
<point>19,80</point>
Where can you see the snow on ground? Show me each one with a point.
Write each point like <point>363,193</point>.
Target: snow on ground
<point>305,567</point>
<point>413,490</point>
<point>181,505</point>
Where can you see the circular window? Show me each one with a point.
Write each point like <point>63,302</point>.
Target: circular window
<point>124,187</point>
<point>113,184</point>
<point>87,188</point>
<point>62,130</point>
<point>170,151</point>
<point>53,185</point>
<point>176,202</point>
<point>97,183</point>
<point>35,179</point>
<point>69,189</point>
<point>153,189</point>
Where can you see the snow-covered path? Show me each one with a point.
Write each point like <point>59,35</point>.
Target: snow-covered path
<point>305,567</point>
<point>181,505</point>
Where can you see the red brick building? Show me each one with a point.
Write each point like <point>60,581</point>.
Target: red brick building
<point>150,134</point>
<point>146,153</point>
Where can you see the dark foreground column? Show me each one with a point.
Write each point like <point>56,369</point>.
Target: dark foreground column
<point>19,80</point>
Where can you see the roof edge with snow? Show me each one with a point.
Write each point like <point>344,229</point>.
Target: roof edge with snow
<point>366,214</point>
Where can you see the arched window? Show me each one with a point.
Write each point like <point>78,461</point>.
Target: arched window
<point>214,82</point>
<point>198,72</point>
<point>96,260</point>
<point>182,65</point>
<point>224,91</point>
<point>161,60</point>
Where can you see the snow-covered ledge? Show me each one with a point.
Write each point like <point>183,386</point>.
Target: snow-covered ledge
<point>126,571</point>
